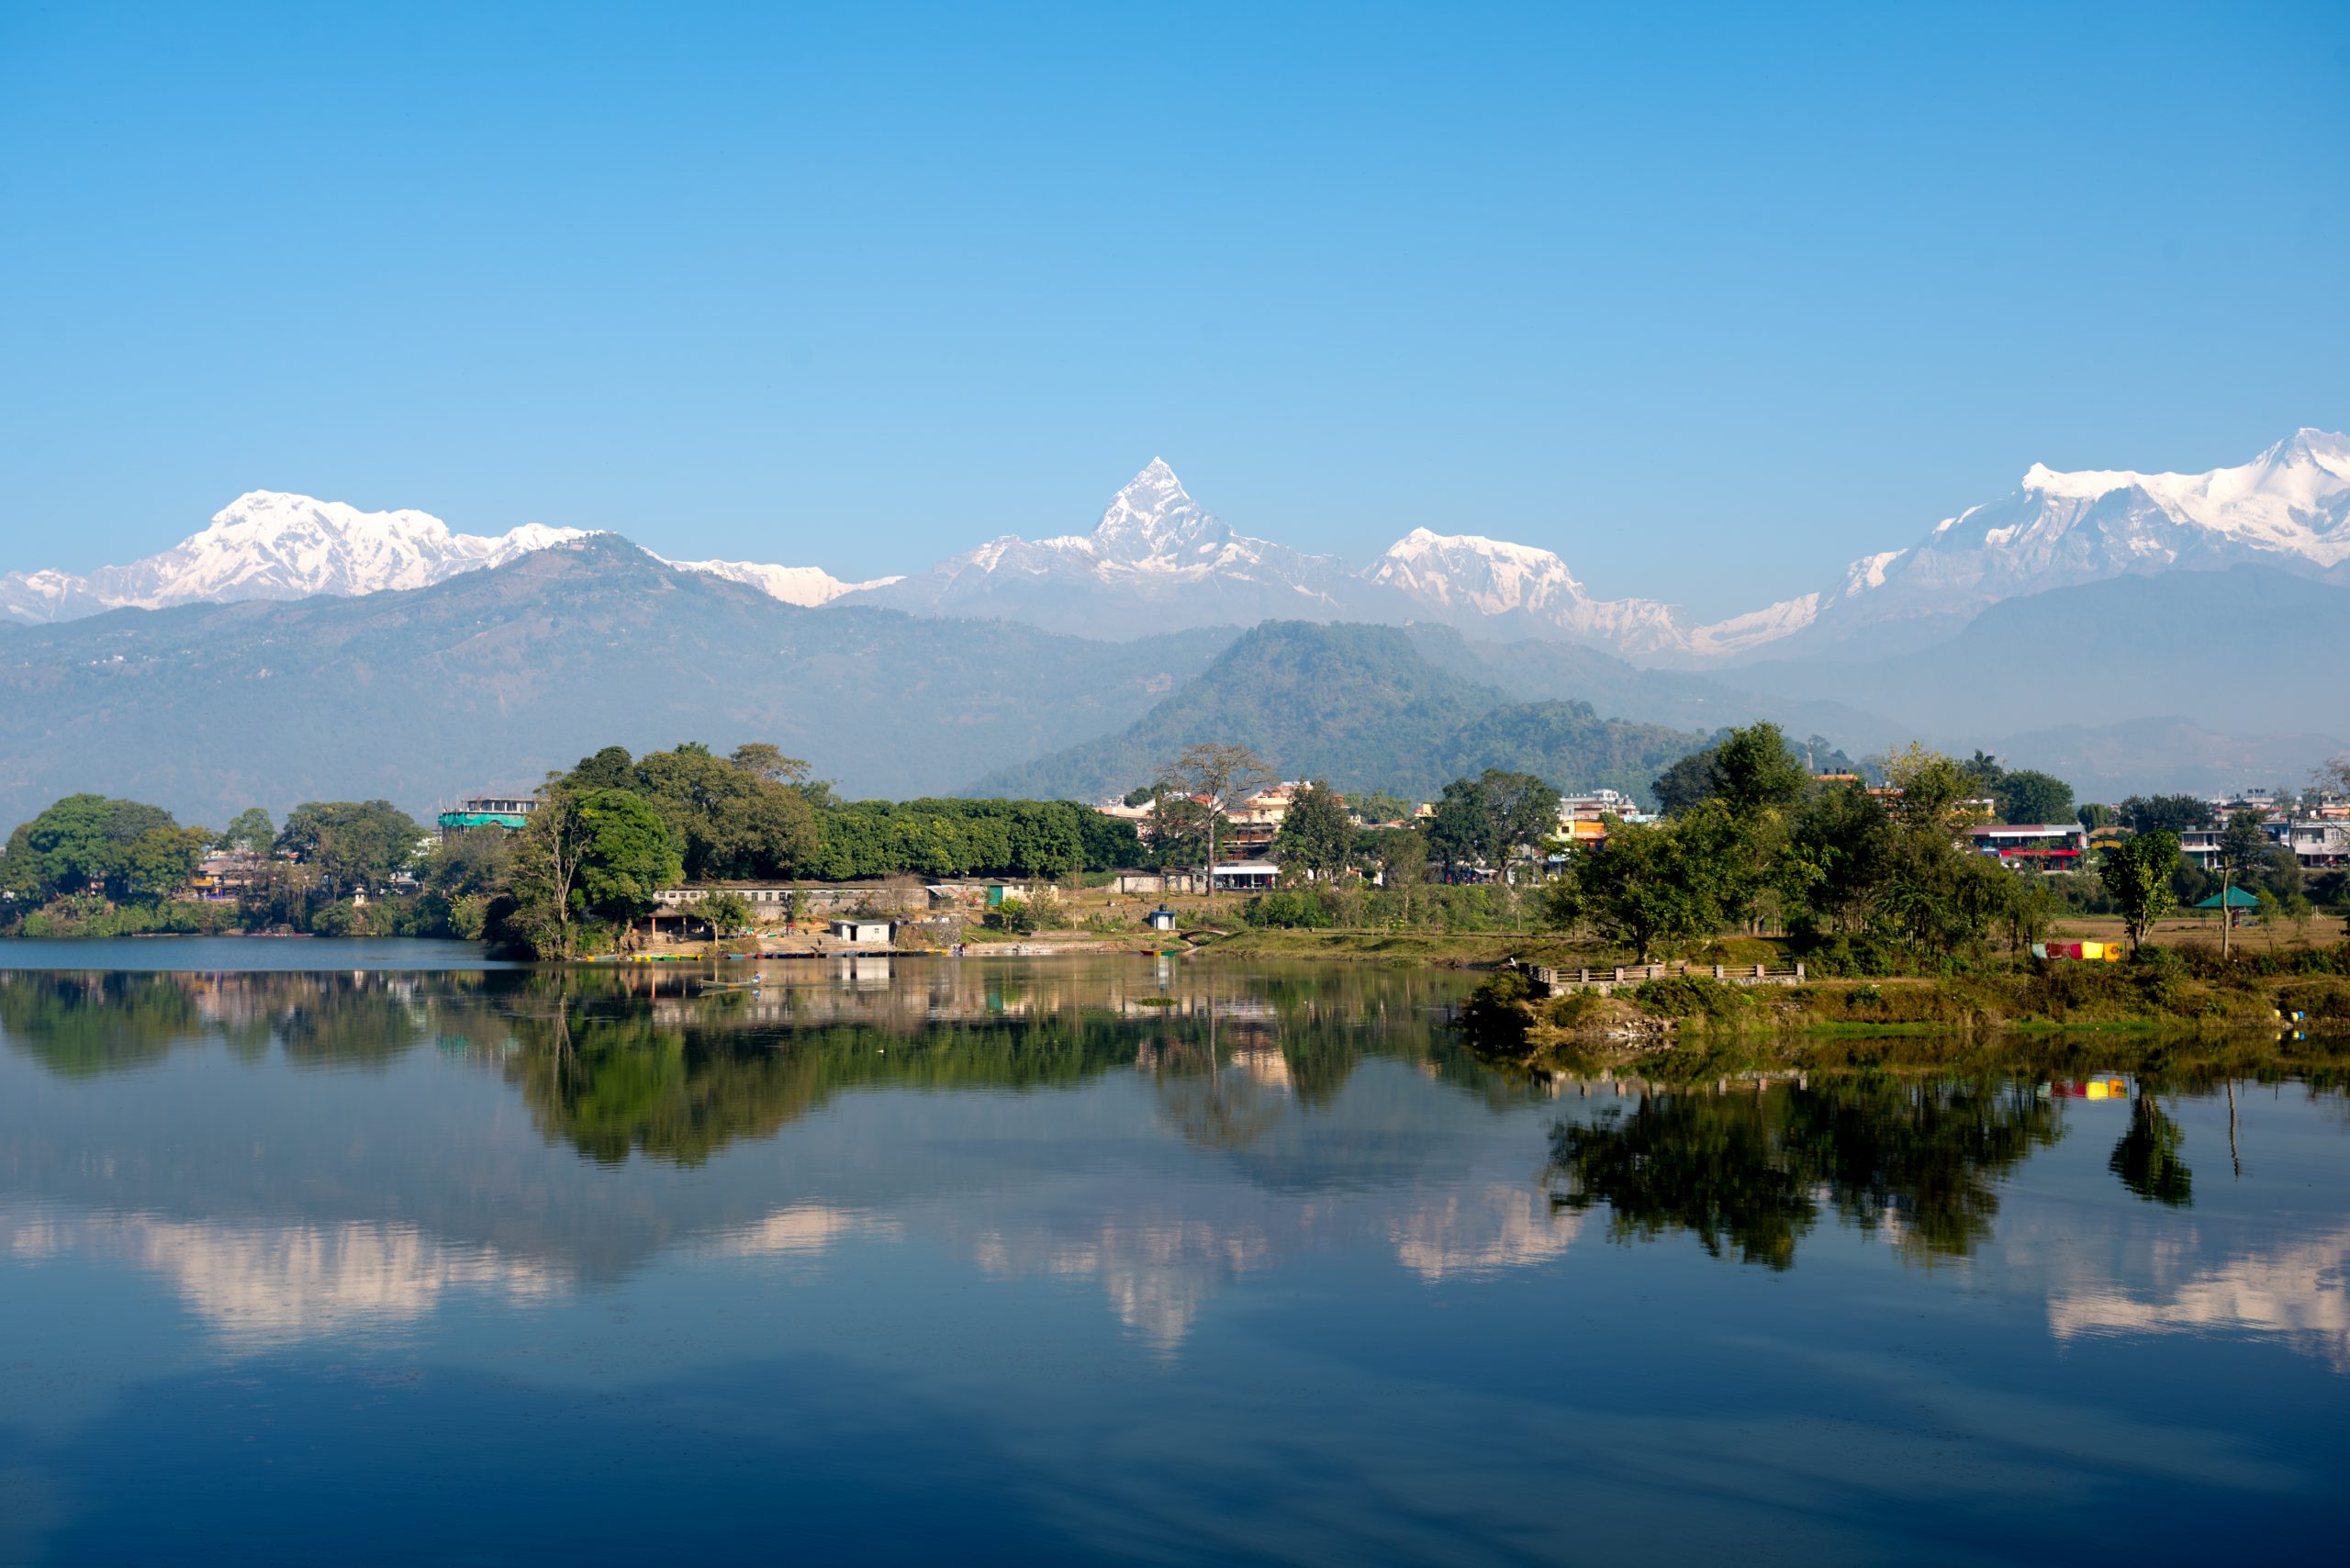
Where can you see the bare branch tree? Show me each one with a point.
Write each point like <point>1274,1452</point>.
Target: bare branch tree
<point>1219,775</point>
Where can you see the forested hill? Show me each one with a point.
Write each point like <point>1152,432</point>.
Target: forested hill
<point>490,678</point>
<point>1363,707</point>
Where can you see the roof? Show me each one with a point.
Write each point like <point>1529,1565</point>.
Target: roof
<point>2237,899</point>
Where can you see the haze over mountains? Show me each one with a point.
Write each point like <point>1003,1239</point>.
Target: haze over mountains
<point>2130,630</point>
<point>1157,560</point>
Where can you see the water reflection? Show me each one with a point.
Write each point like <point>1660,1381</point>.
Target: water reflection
<point>1113,1238</point>
<point>1752,1172</point>
<point>2299,1293</point>
<point>260,1285</point>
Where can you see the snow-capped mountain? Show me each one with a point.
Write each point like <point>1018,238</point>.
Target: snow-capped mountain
<point>270,544</point>
<point>1156,561</point>
<point>1468,580</point>
<point>807,586</point>
<point>2287,507</point>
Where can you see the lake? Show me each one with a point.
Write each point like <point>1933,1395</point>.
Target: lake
<point>1122,1259</point>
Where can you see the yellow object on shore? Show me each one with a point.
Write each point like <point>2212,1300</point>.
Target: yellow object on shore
<point>2093,950</point>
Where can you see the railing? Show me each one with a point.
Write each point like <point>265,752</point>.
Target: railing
<point>1559,981</point>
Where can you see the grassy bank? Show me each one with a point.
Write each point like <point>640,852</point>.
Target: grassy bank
<point>1507,1018</point>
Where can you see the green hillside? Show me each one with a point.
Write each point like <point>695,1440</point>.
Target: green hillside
<point>1362,706</point>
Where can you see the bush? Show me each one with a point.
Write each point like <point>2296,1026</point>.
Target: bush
<point>1015,915</point>
<point>2326,1002</point>
<point>1497,1015</point>
<point>1694,996</point>
<point>1298,909</point>
<point>336,919</point>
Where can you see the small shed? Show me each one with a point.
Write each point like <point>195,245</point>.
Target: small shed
<point>1161,919</point>
<point>862,931</point>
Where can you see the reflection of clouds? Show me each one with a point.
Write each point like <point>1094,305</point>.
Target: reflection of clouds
<point>803,1230</point>
<point>2298,1294</point>
<point>1158,1274</point>
<point>1161,1273</point>
<point>271,1284</point>
<point>1481,1232</point>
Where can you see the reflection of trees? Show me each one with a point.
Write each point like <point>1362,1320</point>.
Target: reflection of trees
<point>1750,1171</point>
<point>615,1083</point>
<point>79,1026</point>
<point>2148,1158</point>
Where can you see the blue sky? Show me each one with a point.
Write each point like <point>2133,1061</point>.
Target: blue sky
<point>1709,299</point>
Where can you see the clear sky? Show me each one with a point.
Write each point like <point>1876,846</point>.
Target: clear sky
<point>1709,299</point>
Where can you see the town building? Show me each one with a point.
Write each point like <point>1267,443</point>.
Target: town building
<point>864,931</point>
<point>509,811</point>
<point>2031,846</point>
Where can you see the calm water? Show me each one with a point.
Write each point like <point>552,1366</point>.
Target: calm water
<point>990,1261</point>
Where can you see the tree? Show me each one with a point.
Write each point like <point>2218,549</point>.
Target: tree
<point>726,912</point>
<point>1484,819</point>
<point>610,768</point>
<point>601,853</point>
<point>1377,808</point>
<point>1402,863</point>
<point>629,854</point>
<point>764,761</point>
<point>1685,783</point>
<point>1651,883</point>
<point>159,862</point>
<point>249,832</point>
<point>729,819</point>
<point>1178,827</point>
<point>2136,874</point>
<point>1219,775</point>
<point>1316,834</point>
<point>351,843</point>
<point>2094,816</point>
<point>1755,771</point>
<point>2025,795</point>
<point>121,848</point>
<point>1930,787</point>
<point>2164,814</point>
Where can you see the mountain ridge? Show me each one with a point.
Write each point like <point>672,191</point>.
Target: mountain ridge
<point>1157,560</point>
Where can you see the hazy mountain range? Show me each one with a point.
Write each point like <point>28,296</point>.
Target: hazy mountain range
<point>2129,632</point>
<point>1158,561</point>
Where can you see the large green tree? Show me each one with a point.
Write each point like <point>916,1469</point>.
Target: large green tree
<point>1317,834</point>
<point>732,818</point>
<point>1649,884</point>
<point>124,849</point>
<point>2027,795</point>
<point>249,832</point>
<point>351,843</point>
<point>1484,820</point>
<point>2137,877</point>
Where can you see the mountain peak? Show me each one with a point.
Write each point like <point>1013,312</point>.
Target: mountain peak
<point>1151,516</point>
